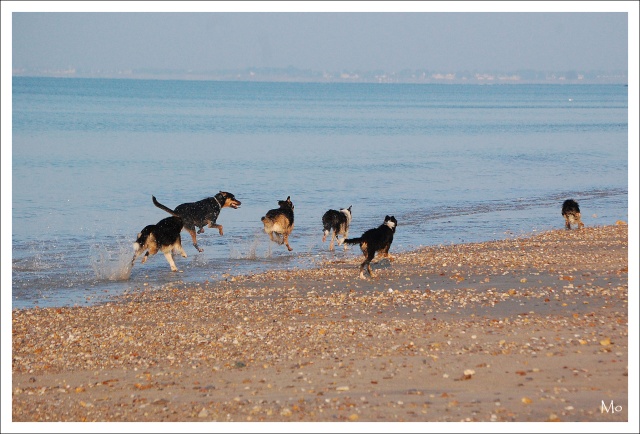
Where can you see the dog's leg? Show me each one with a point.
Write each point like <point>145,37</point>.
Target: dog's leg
<point>180,249</point>
<point>216,226</point>
<point>370,256</point>
<point>169,257</point>
<point>567,223</point>
<point>201,230</point>
<point>387,255</point>
<point>333,239</point>
<point>324,235</point>
<point>286,241</point>
<point>192,232</point>
<point>364,264</point>
<point>345,235</point>
<point>135,256</point>
<point>370,270</point>
<point>146,256</point>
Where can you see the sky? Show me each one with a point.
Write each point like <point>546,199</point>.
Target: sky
<point>419,35</point>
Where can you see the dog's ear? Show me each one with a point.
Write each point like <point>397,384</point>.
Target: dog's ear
<point>288,198</point>
<point>386,218</point>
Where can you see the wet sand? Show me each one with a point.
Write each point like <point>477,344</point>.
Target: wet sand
<point>528,329</point>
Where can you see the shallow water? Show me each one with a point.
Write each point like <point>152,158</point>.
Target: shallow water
<point>452,163</point>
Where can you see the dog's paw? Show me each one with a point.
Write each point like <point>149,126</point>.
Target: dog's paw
<point>201,231</point>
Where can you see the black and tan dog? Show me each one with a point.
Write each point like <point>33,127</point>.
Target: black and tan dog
<point>337,223</point>
<point>278,223</point>
<point>201,213</point>
<point>375,240</point>
<point>571,214</point>
<point>164,236</point>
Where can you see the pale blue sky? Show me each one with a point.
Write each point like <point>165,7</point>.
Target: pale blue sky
<point>333,41</point>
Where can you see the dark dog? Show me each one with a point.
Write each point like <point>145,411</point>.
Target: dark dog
<point>201,213</point>
<point>278,223</point>
<point>163,236</point>
<point>375,240</point>
<point>337,223</point>
<point>571,214</point>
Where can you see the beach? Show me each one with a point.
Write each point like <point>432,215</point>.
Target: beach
<point>527,329</point>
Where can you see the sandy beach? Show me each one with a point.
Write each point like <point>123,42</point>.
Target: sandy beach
<point>526,329</point>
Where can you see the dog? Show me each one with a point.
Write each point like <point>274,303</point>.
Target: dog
<point>278,223</point>
<point>375,240</point>
<point>571,214</point>
<point>163,236</point>
<point>201,213</point>
<point>337,223</point>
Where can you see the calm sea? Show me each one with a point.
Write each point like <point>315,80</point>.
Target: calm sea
<point>453,163</point>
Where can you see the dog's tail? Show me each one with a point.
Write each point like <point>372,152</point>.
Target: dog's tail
<point>162,207</point>
<point>353,240</point>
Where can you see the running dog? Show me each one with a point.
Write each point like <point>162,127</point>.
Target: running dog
<point>337,223</point>
<point>201,213</point>
<point>163,236</point>
<point>571,214</point>
<point>375,240</point>
<point>278,223</point>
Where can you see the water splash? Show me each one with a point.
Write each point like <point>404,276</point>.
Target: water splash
<point>248,248</point>
<point>112,265</point>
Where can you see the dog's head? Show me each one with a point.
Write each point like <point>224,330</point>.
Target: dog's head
<point>286,204</point>
<point>229,200</point>
<point>391,222</point>
<point>346,211</point>
<point>144,239</point>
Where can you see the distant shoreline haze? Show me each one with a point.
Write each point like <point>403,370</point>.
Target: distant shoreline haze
<point>292,74</point>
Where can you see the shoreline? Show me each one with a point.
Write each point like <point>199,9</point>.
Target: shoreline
<point>526,329</point>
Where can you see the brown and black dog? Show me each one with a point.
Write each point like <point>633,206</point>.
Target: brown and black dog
<point>571,214</point>
<point>163,236</point>
<point>278,223</point>
<point>201,213</point>
<point>375,240</point>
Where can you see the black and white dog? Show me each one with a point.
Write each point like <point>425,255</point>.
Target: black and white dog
<point>337,223</point>
<point>571,214</point>
<point>201,213</point>
<point>163,236</point>
<point>375,240</point>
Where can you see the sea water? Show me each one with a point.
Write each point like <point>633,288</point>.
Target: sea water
<point>452,163</point>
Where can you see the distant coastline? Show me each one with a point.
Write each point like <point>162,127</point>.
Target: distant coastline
<point>291,74</point>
